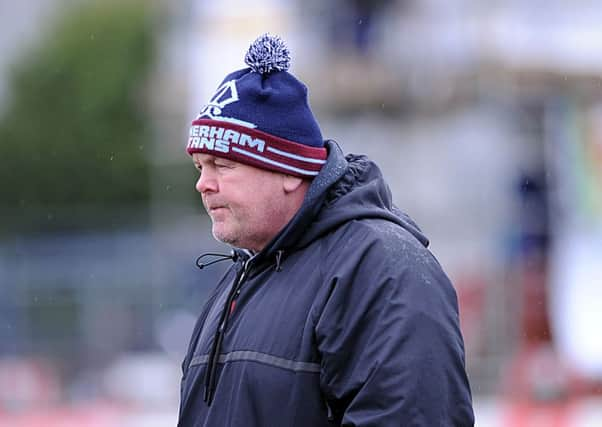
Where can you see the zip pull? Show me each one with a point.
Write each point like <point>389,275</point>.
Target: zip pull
<point>279,260</point>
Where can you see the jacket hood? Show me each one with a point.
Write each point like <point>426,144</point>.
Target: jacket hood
<point>347,188</point>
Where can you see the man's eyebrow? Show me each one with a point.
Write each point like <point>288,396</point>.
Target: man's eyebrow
<point>208,160</point>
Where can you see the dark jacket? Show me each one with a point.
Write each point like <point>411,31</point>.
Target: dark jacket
<point>345,318</point>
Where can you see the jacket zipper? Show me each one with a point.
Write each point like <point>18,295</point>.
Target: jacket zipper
<point>211,372</point>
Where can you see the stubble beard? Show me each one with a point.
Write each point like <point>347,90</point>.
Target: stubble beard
<point>224,238</point>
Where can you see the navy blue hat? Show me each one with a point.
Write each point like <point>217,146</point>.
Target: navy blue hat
<point>261,116</point>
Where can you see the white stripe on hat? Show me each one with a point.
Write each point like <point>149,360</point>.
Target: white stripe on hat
<point>296,157</point>
<point>273,162</point>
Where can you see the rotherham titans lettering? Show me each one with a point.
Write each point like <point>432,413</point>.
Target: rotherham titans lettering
<point>219,139</point>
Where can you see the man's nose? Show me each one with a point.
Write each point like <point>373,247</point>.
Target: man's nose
<point>206,182</point>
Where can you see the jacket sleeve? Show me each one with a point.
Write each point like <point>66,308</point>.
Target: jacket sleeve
<point>392,352</point>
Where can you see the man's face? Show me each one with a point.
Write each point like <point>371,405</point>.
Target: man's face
<point>245,203</point>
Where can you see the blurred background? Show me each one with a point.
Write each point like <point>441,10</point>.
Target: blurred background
<point>486,118</point>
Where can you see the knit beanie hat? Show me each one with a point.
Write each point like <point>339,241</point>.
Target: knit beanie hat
<point>260,116</point>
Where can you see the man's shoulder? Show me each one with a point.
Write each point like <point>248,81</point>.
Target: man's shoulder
<point>378,233</point>
<point>379,245</point>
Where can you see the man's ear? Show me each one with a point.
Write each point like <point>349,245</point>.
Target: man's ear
<point>291,183</point>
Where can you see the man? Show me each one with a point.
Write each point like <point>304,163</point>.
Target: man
<point>334,311</point>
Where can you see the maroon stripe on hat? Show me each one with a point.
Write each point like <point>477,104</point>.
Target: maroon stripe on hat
<point>254,147</point>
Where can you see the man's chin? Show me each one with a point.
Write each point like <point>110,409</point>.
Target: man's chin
<point>224,237</point>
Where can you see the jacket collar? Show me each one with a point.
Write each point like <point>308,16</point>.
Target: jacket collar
<point>334,168</point>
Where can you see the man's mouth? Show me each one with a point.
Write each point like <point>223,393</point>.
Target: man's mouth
<point>216,208</point>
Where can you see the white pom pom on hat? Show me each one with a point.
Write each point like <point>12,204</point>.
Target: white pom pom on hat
<point>268,53</point>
